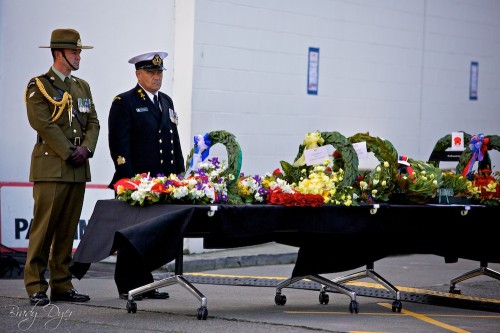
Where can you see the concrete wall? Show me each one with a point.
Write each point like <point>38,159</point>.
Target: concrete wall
<point>117,29</point>
<point>399,69</point>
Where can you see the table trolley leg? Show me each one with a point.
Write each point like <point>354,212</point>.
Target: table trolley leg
<point>369,272</point>
<point>280,299</point>
<point>482,270</point>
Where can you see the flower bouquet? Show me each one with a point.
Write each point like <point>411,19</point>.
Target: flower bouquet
<point>453,189</point>
<point>323,181</point>
<point>456,183</point>
<point>250,189</point>
<point>274,189</point>
<point>280,192</point>
<point>203,186</point>
<point>485,187</point>
<point>376,185</point>
<point>422,184</point>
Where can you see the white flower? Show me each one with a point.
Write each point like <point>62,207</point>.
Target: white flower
<point>180,192</point>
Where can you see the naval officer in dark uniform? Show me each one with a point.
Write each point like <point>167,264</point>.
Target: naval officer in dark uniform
<point>61,110</point>
<point>143,138</point>
<point>143,133</point>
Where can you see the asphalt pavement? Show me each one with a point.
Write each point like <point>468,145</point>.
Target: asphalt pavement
<point>240,290</point>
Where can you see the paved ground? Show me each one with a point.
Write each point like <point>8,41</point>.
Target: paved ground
<point>244,299</point>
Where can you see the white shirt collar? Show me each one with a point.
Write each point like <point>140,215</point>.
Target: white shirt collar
<point>150,95</point>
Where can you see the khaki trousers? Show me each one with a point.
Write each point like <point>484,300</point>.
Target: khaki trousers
<point>56,213</point>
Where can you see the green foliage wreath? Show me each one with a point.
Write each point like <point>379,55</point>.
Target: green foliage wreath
<point>383,150</point>
<point>339,142</point>
<point>445,142</point>
<point>493,144</point>
<point>234,154</point>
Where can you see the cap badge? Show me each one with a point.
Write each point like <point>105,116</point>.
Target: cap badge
<point>79,43</point>
<point>157,60</point>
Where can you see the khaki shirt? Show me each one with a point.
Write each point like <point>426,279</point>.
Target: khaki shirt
<point>53,147</point>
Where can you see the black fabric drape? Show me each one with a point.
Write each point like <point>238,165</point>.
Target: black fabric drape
<point>330,238</point>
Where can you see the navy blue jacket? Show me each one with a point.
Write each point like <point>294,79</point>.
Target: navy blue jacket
<point>141,138</point>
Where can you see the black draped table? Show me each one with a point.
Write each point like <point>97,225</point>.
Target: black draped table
<point>330,238</point>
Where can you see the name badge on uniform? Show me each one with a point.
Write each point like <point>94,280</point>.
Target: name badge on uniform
<point>84,105</point>
<point>143,109</point>
<point>173,116</point>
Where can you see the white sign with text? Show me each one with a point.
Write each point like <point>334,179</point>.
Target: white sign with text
<point>17,214</point>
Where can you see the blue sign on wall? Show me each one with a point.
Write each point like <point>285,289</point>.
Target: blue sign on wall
<point>313,71</point>
<point>474,71</point>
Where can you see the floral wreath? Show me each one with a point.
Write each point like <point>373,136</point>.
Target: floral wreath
<point>441,146</point>
<point>339,142</point>
<point>445,143</point>
<point>383,150</point>
<point>478,145</point>
<point>234,154</point>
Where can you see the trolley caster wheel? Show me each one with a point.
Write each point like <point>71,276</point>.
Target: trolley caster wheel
<point>323,298</point>
<point>353,307</point>
<point>397,306</point>
<point>455,291</point>
<point>202,313</point>
<point>131,307</point>
<point>280,299</point>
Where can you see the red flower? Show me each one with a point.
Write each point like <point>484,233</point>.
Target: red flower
<point>176,183</point>
<point>277,197</point>
<point>126,183</point>
<point>159,188</point>
<point>277,173</point>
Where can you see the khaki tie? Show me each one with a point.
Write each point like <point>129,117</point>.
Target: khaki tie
<point>68,83</point>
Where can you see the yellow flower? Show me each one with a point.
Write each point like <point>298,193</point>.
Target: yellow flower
<point>491,187</point>
<point>386,164</point>
<point>312,140</point>
<point>120,190</point>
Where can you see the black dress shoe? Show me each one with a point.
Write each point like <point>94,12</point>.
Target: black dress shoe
<point>155,294</point>
<point>125,297</point>
<point>69,296</point>
<point>39,299</point>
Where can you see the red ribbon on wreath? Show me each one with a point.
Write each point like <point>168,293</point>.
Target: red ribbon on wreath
<point>478,144</point>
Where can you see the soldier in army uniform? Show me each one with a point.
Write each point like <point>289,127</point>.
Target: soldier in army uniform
<point>61,110</point>
<point>143,138</point>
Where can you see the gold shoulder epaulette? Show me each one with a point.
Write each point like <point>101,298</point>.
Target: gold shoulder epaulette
<point>117,98</point>
<point>59,106</point>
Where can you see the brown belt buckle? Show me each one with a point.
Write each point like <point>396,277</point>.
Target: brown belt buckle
<point>77,141</point>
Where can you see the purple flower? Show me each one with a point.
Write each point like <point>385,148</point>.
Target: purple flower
<point>215,162</point>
